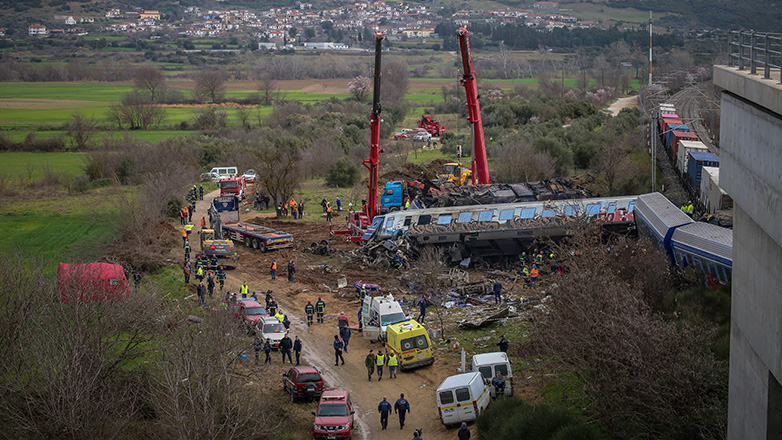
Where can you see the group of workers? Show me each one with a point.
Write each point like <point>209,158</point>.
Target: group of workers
<point>291,270</point>
<point>296,209</point>
<point>688,208</point>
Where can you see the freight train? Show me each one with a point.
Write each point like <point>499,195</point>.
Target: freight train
<point>698,168</point>
<point>706,247</point>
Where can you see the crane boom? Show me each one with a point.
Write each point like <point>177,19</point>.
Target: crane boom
<point>371,209</point>
<point>480,162</point>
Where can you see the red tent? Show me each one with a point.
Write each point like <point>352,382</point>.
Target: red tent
<point>91,282</point>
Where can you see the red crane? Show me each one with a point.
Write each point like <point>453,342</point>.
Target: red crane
<point>480,164</point>
<point>370,210</point>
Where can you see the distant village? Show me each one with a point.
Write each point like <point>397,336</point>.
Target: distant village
<point>277,28</point>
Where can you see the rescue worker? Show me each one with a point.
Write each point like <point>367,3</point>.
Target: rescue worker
<point>272,309</point>
<point>309,309</point>
<point>538,257</point>
<point>221,278</point>
<point>320,308</point>
<point>287,323</point>
<point>344,333</point>
<point>244,290</point>
<point>297,346</point>
<point>200,274</point>
<point>407,203</point>
<point>184,238</point>
<point>342,320</point>
<point>380,360</point>
<point>402,407</point>
<point>213,262</point>
<point>190,211</point>
<point>188,229</point>
<point>187,250</point>
<point>182,216</point>
<point>393,363</point>
<point>279,315</point>
<point>301,210</point>
<point>291,271</point>
<point>497,292</point>
<point>533,276</point>
<point>384,408</point>
<point>503,344</point>
<point>273,269</point>
<point>267,348</point>
<point>360,324</point>
<point>499,384</point>
<point>285,348</point>
<point>464,432</point>
<point>269,297</point>
<point>203,223</point>
<point>523,259</point>
<point>338,346</point>
<point>369,362</point>
<point>328,213</point>
<point>362,293</point>
<point>254,296</point>
<point>200,192</point>
<point>422,305</point>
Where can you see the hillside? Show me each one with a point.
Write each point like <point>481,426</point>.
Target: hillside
<point>761,15</point>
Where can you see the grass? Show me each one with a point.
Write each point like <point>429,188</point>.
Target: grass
<point>144,135</point>
<point>32,165</point>
<point>427,156</point>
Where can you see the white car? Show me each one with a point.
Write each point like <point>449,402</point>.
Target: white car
<point>273,329</point>
<point>422,136</point>
<point>250,176</point>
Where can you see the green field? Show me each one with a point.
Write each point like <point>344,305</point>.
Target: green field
<point>32,166</point>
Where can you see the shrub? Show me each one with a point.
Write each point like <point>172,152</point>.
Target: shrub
<point>511,418</point>
<point>79,184</point>
<point>342,174</point>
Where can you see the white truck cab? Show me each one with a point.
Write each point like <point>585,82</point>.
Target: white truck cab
<point>376,313</point>
<point>489,364</point>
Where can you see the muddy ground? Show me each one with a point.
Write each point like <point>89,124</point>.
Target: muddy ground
<point>313,280</point>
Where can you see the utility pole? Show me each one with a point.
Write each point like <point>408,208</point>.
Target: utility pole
<point>650,47</point>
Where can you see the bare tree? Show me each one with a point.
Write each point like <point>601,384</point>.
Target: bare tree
<point>600,63</point>
<point>519,161</point>
<point>211,83</point>
<point>278,160</point>
<point>396,80</point>
<point>268,88</point>
<point>135,111</point>
<point>81,130</point>
<point>151,79</point>
<point>244,114</point>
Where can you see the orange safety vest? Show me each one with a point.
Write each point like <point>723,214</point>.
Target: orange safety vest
<point>534,273</point>
<point>203,222</point>
<point>187,211</point>
<point>328,208</point>
<point>274,265</point>
<point>184,233</point>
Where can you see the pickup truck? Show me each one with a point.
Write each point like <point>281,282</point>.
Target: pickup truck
<point>224,217</point>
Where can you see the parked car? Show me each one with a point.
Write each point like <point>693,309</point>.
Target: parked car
<point>400,135</point>
<point>303,383</point>
<point>271,327</point>
<point>334,417</point>
<point>422,136</point>
<point>217,173</point>
<point>249,312</point>
<point>250,176</point>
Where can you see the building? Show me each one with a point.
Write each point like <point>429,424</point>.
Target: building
<point>70,21</point>
<point>418,32</point>
<point>750,160</point>
<point>149,15</point>
<point>36,29</point>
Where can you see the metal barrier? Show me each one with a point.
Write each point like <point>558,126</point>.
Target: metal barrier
<point>756,49</point>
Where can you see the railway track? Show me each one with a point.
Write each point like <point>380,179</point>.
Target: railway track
<point>688,105</point>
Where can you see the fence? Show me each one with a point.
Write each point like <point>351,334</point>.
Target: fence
<point>757,49</point>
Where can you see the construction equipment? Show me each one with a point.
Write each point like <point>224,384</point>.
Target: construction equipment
<point>480,164</point>
<point>454,175</point>
<point>431,126</point>
<point>359,221</point>
<point>224,218</point>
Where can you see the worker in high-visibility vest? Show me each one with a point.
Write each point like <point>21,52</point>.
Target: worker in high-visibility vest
<point>273,269</point>
<point>279,315</point>
<point>533,276</point>
<point>320,308</point>
<point>244,290</point>
<point>380,360</point>
<point>188,228</point>
<point>184,238</point>
<point>393,362</point>
<point>200,273</point>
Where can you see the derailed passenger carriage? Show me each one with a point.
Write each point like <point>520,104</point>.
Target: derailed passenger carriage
<point>502,229</point>
<point>706,247</point>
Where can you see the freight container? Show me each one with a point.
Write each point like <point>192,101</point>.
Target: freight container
<point>664,123</point>
<point>696,161</point>
<point>677,136</point>
<point>713,197</point>
<point>669,134</point>
<point>682,154</point>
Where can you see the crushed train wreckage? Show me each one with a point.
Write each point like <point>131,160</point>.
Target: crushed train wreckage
<point>430,195</point>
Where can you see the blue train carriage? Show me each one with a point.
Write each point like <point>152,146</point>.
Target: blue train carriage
<point>657,218</point>
<point>502,229</point>
<point>706,247</point>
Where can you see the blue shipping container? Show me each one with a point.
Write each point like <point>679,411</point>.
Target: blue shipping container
<point>695,163</point>
<point>671,129</point>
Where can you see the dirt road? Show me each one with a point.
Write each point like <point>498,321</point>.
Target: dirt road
<point>418,385</point>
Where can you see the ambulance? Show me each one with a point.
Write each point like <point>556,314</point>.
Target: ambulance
<point>461,398</point>
<point>410,341</point>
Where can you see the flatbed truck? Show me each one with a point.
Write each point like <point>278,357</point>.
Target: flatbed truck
<point>224,217</point>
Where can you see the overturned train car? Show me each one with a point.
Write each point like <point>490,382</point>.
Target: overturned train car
<point>501,229</point>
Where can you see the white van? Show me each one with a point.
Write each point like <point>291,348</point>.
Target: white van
<point>376,313</point>
<point>462,398</point>
<point>217,173</point>
<point>489,364</point>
